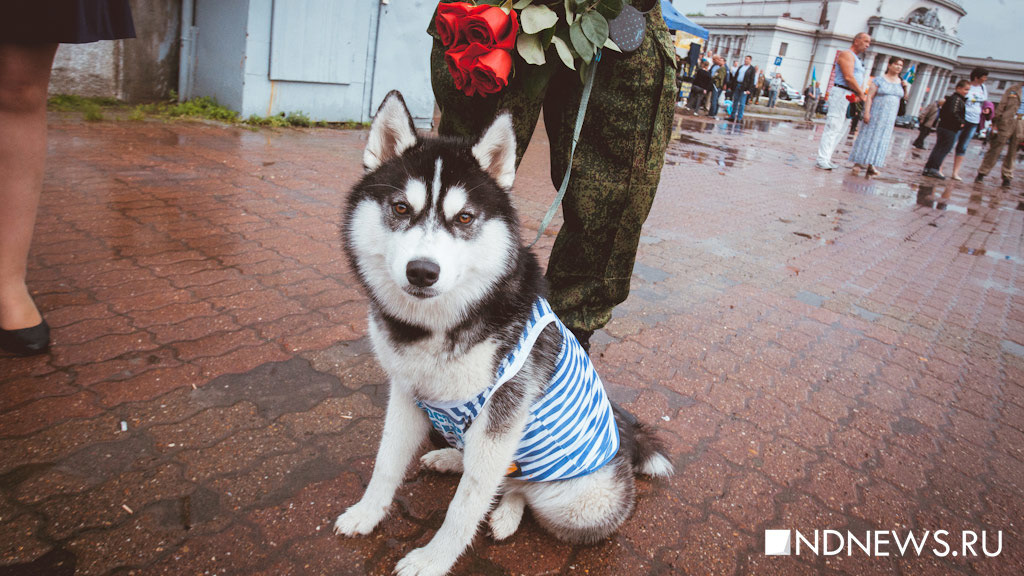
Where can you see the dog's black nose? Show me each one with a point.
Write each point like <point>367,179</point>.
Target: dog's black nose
<point>422,273</point>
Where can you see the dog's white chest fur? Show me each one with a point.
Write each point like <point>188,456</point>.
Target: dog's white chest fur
<point>430,371</point>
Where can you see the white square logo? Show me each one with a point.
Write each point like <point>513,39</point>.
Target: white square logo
<point>776,542</point>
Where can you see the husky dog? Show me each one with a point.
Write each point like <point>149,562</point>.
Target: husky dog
<point>458,321</point>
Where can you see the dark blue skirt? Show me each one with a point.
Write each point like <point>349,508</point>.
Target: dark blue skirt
<point>65,21</point>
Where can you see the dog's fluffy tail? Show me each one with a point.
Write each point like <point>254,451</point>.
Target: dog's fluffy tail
<point>639,443</point>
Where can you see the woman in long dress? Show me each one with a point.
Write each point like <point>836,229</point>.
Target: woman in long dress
<point>881,105</point>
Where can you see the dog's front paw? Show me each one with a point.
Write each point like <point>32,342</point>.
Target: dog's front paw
<point>360,519</point>
<point>505,518</point>
<point>423,562</point>
<point>445,460</point>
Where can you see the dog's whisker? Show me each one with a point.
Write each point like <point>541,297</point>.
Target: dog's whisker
<point>384,186</point>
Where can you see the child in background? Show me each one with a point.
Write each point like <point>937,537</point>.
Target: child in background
<point>951,120</point>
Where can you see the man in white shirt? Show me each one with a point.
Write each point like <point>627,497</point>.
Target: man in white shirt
<point>977,94</point>
<point>849,74</point>
<point>742,84</point>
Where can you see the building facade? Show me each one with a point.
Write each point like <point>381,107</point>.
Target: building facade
<point>804,36</point>
<point>1001,74</point>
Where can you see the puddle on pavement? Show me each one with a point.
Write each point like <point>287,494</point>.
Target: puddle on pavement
<point>688,145</point>
<point>724,156</point>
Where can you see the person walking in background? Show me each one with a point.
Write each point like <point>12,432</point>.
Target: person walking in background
<point>29,35</point>
<point>976,96</point>
<point>811,96</point>
<point>951,121</point>
<point>927,119</point>
<point>742,84</point>
<point>700,87</point>
<point>849,72</point>
<point>759,88</point>
<point>1009,126</point>
<point>773,89</point>
<point>719,75</point>
<point>880,107</point>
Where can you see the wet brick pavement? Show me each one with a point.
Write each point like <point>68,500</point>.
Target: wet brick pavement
<point>820,351</point>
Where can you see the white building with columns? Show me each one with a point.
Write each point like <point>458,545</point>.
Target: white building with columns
<point>1001,74</point>
<point>807,35</point>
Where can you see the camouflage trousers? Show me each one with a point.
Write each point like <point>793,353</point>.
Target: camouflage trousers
<point>616,168</point>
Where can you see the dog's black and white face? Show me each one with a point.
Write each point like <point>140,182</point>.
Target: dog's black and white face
<point>430,229</point>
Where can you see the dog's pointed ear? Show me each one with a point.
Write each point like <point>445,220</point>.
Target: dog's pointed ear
<point>391,133</point>
<point>496,151</point>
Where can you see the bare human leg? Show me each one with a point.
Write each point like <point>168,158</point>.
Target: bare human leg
<point>958,161</point>
<point>24,79</point>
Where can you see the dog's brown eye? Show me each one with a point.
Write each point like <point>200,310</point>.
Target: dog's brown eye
<point>400,208</point>
<point>464,218</point>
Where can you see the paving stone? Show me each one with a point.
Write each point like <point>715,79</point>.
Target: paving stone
<point>138,541</point>
<point>236,453</point>
<point>21,540</point>
<point>111,502</point>
<point>205,428</point>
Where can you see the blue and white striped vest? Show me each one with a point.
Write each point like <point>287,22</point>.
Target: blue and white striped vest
<point>571,430</point>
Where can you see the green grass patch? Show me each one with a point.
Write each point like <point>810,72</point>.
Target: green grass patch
<point>72,103</point>
<point>205,108</point>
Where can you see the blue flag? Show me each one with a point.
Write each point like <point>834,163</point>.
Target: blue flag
<point>911,74</point>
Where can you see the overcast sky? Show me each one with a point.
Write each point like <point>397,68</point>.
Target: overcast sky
<point>988,29</point>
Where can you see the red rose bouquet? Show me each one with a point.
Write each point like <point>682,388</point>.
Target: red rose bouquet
<point>481,41</point>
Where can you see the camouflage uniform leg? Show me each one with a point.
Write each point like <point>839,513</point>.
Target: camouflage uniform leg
<point>469,116</point>
<point>615,174</point>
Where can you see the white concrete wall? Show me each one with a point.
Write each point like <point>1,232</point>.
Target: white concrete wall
<point>91,70</point>
<point>139,69</point>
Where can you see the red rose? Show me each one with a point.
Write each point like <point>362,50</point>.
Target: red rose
<point>492,27</point>
<point>477,69</point>
<point>449,22</point>
<point>453,57</point>
<point>851,98</point>
<point>491,72</point>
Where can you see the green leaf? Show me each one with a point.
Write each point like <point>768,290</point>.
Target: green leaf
<point>528,46</point>
<point>521,4</point>
<point>570,12</point>
<point>595,27</point>
<point>545,37</point>
<point>580,43</point>
<point>609,8</point>
<point>563,52</point>
<point>533,18</point>
<point>612,45</point>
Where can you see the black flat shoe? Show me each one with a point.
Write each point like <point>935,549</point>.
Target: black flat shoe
<point>27,341</point>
